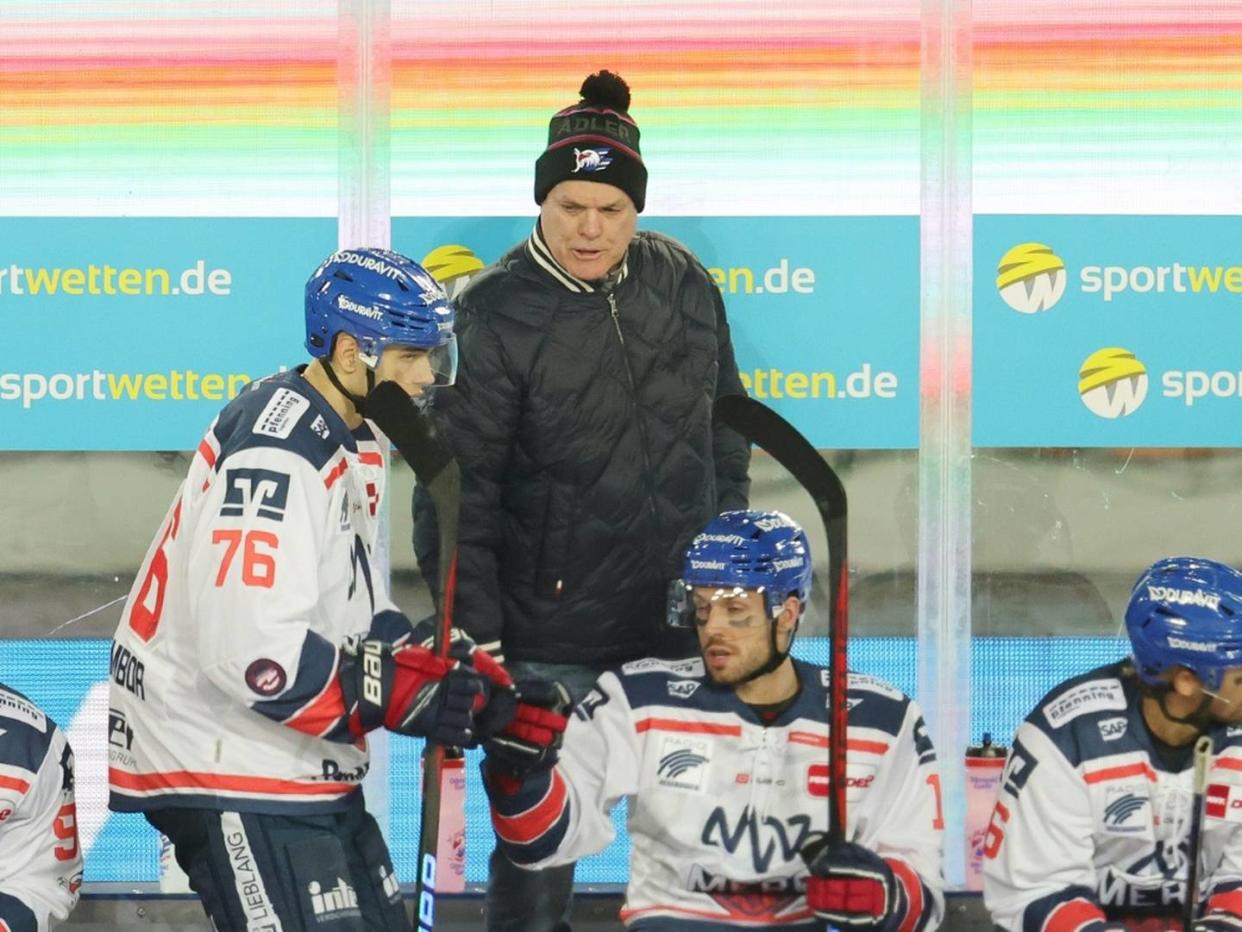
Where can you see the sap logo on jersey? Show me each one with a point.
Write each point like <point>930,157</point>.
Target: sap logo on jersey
<point>1112,728</point>
<point>682,689</point>
<point>1093,696</point>
<point>682,763</point>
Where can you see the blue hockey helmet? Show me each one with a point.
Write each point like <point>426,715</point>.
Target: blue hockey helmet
<point>380,298</point>
<point>1186,612</point>
<point>762,550</point>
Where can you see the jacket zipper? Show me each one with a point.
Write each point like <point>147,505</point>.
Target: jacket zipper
<point>642,427</point>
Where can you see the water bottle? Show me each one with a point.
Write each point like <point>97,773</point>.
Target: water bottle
<point>984,763</point>
<point>451,849</point>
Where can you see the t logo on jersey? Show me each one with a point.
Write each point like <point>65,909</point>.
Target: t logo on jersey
<point>265,491</point>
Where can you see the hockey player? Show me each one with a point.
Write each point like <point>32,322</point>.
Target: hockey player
<point>259,645</point>
<point>722,759</point>
<point>40,861</point>
<point>1092,820</point>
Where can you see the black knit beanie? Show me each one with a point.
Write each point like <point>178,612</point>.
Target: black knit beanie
<point>594,140</point>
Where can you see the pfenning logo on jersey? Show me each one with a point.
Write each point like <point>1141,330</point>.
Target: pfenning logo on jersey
<point>682,763</point>
<point>266,677</point>
<point>1031,278</point>
<point>1112,382</point>
<point>591,160</point>
<point>682,689</point>
<point>22,710</point>
<point>1125,812</point>
<point>339,902</point>
<point>1185,597</point>
<point>1093,696</point>
<point>362,310</point>
<point>281,414</point>
<point>453,266</point>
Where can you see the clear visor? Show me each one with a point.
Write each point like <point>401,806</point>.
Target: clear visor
<point>695,606</point>
<point>443,359</point>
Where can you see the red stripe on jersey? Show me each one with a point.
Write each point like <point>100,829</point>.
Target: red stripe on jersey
<point>1229,902</point>
<point>189,780</point>
<point>1072,915</point>
<point>207,453</point>
<point>4,926</point>
<point>914,893</point>
<point>525,827</point>
<point>1227,763</point>
<point>870,747</point>
<point>701,728</point>
<point>322,712</point>
<point>1138,769</point>
<point>371,459</point>
<point>665,909</point>
<point>337,471</point>
<point>12,783</point>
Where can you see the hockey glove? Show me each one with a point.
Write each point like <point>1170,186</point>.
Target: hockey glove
<point>851,887</point>
<point>530,742</point>
<point>1219,920</point>
<point>410,691</point>
<point>502,702</point>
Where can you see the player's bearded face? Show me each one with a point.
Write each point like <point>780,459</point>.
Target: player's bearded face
<point>1227,700</point>
<point>734,632</point>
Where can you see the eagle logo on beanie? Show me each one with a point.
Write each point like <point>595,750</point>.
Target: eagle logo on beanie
<point>595,136</point>
<point>591,160</point>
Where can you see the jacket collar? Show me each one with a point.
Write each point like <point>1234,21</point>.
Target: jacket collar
<point>539,252</point>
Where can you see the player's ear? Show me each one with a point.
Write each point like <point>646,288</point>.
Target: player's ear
<point>345,354</point>
<point>1185,683</point>
<point>788,617</point>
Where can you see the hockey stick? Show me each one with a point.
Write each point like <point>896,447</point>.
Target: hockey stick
<point>1203,753</point>
<point>414,437</point>
<point>765,428</point>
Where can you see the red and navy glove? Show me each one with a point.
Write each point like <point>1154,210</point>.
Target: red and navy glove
<point>531,741</point>
<point>1218,921</point>
<point>501,702</point>
<point>851,887</point>
<point>411,691</point>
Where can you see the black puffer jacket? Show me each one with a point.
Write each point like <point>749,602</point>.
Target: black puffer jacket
<point>582,423</point>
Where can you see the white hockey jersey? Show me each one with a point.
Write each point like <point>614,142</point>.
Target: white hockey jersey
<point>224,688</point>
<point>720,804</point>
<point>40,859</point>
<point>1089,822</point>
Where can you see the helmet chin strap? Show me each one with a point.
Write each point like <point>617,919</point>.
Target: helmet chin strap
<point>1199,720</point>
<point>357,401</point>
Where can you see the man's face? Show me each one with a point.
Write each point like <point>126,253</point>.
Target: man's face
<point>1227,703</point>
<point>408,366</point>
<point>588,226</point>
<point>734,632</point>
